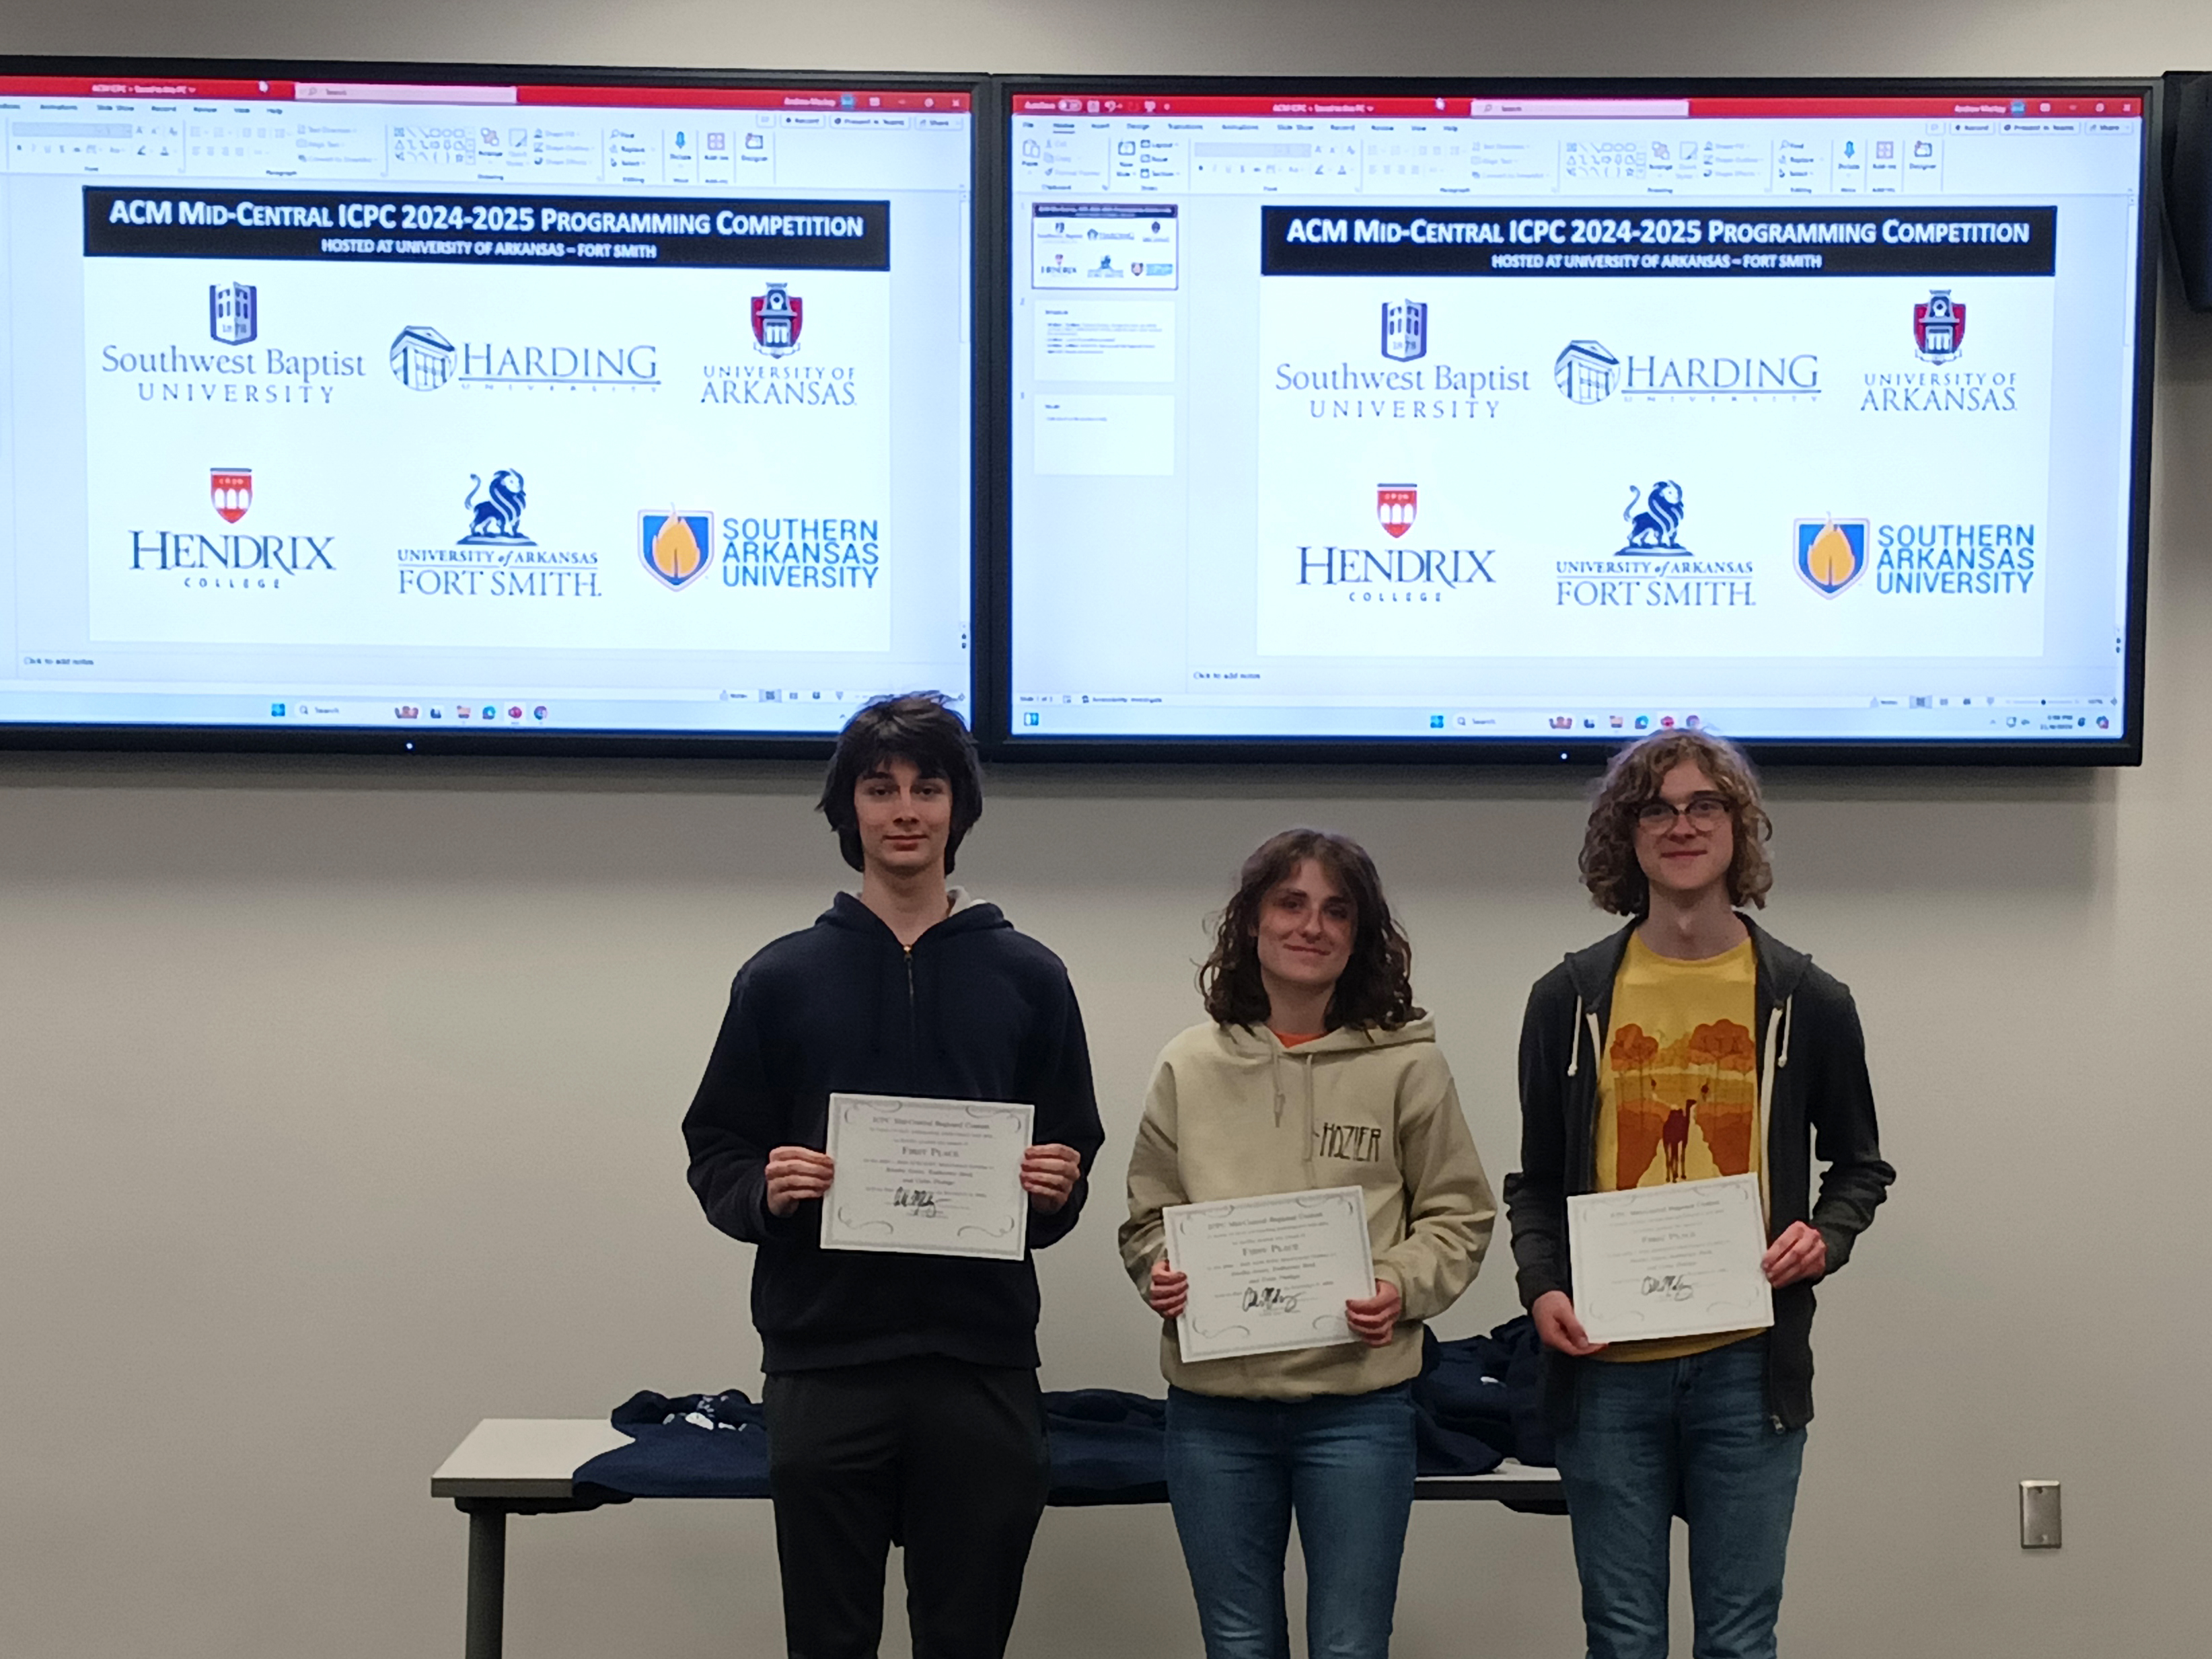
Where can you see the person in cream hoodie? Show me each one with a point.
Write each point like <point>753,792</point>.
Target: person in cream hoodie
<point>1314,1069</point>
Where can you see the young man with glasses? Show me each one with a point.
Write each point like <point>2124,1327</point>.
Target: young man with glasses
<point>1654,1056</point>
<point>902,1393</point>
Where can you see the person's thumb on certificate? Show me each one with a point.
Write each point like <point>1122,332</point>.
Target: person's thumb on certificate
<point>1559,1328</point>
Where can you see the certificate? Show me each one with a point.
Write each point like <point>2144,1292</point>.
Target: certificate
<point>1269,1274</point>
<point>927,1177</point>
<point>1681,1260</point>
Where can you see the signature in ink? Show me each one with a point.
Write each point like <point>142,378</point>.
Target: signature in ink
<point>920,1200</point>
<point>1670,1287</point>
<point>1269,1299</point>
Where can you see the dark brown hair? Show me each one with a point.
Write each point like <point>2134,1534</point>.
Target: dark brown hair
<point>917,728</point>
<point>1616,881</point>
<point>1376,986</point>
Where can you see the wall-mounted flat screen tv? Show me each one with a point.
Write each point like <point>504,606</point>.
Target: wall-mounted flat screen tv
<point>1423,418</point>
<point>442,406</point>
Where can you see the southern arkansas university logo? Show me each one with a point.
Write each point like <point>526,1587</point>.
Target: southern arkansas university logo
<point>778,317</point>
<point>676,547</point>
<point>1939,327</point>
<point>1657,525</point>
<point>1832,553</point>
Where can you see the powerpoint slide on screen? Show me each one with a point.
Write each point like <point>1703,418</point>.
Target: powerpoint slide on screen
<point>1803,418</point>
<point>550,408</point>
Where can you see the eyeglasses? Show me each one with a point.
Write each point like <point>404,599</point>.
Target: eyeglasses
<point>1705,813</point>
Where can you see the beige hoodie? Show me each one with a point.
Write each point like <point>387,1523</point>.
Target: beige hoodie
<point>1233,1114</point>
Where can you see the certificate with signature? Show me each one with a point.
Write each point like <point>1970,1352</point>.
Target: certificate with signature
<point>1269,1274</point>
<point>927,1177</point>
<point>1681,1260</point>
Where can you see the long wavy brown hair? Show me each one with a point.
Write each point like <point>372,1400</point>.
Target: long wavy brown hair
<point>1616,881</point>
<point>1376,986</point>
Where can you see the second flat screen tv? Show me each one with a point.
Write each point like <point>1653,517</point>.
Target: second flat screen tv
<point>1402,418</point>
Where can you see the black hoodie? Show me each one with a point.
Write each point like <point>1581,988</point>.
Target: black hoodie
<point>1812,1071</point>
<point>974,1011</point>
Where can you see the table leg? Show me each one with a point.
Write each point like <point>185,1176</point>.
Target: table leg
<point>487,1582</point>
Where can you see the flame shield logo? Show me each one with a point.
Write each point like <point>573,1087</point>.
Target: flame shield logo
<point>1832,553</point>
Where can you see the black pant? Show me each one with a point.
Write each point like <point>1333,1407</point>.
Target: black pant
<point>942,1456</point>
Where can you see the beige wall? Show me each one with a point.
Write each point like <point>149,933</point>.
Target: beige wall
<point>339,1102</point>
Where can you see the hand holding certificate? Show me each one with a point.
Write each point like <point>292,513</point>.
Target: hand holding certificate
<point>1681,1259</point>
<point>1269,1274</point>
<point>927,1177</point>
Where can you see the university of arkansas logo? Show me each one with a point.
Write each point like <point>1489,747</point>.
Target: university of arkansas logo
<point>1657,525</point>
<point>778,316</point>
<point>1939,327</point>
<point>1396,506</point>
<point>676,547</point>
<point>231,490</point>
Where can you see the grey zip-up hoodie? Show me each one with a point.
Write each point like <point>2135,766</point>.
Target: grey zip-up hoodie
<point>1233,1114</point>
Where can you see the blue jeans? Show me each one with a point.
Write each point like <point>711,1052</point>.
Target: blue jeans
<point>1238,1469</point>
<point>1647,1436</point>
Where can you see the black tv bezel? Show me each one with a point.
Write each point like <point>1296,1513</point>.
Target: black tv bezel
<point>994,709</point>
<point>148,737</point>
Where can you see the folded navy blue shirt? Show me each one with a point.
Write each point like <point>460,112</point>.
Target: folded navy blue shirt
<point>1478,1399</point>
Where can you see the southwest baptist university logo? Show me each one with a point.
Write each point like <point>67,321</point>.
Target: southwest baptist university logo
<point>1830,553</point>
<point>1405,330</point>
<point>676,547</point>
<point>234,313</point>
<point>1396,506</point>
<point>497,520</point>
<point>230,489</point>
<point>778,316</point>
<point>1939,327</point>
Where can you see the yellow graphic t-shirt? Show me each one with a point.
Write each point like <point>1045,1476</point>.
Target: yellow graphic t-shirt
<point>1678,1089</point>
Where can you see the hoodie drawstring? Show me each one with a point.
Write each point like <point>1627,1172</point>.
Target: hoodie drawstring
<point>1312,1134</point>
<point>1575,1045</point>
<point>1275,1070</point>
<point>1778,1037</point>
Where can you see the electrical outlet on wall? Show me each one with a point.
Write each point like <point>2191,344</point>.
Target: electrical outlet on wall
<point>2039,1515</point>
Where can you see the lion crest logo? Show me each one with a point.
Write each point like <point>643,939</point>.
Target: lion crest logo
<point>1655,526</point>
<point>497,520</point>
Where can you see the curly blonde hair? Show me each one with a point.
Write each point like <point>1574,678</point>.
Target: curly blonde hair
<point>1608,863</point>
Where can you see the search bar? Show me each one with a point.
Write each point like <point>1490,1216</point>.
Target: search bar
<point>352,92</point>
<point>1586,109</point>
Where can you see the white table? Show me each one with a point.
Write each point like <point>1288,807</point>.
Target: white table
<point>526,1466</point>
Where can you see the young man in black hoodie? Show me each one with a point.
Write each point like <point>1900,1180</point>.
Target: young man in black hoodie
<point>902,1394</point>
<point>1658,1055</point>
